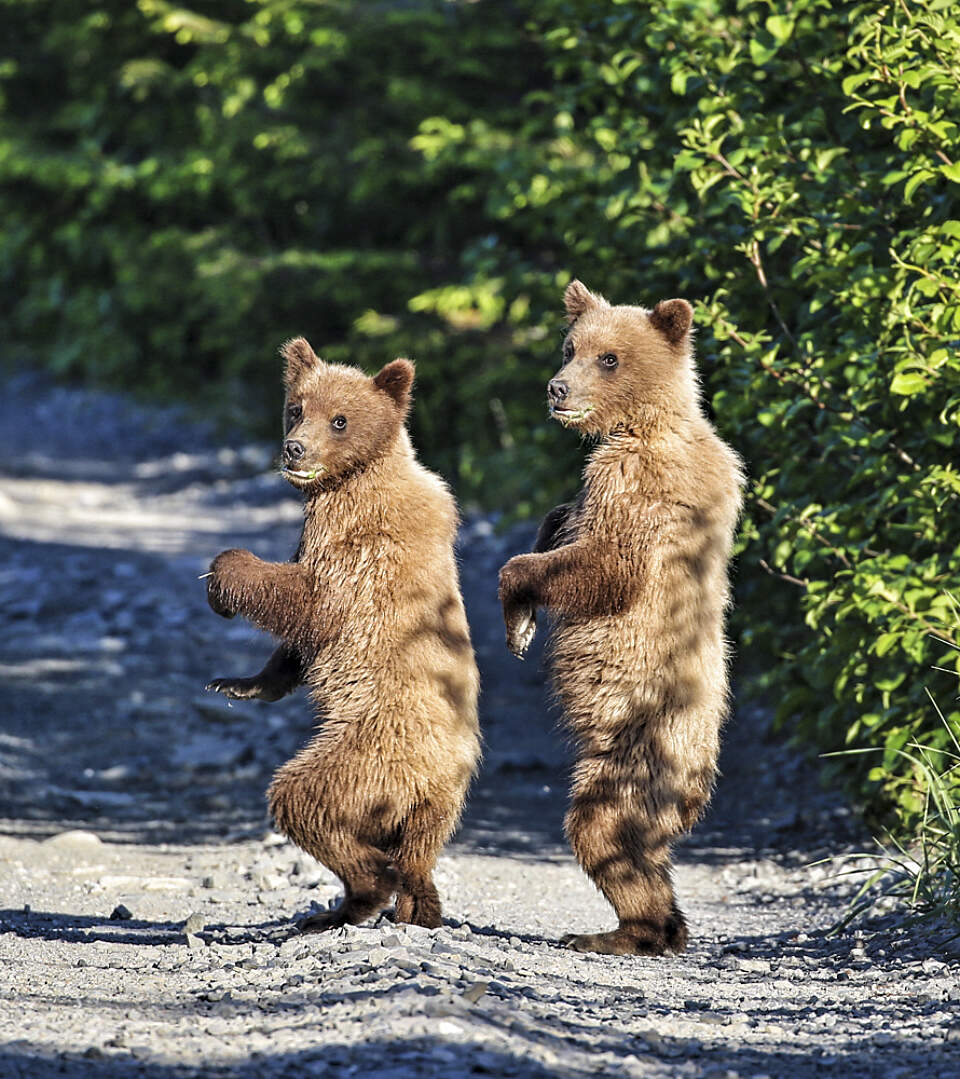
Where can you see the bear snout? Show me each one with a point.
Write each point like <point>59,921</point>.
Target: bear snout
<point>293,450</point>
<point>557,391</point>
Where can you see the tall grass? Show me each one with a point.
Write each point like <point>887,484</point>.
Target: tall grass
<point>920,872</point>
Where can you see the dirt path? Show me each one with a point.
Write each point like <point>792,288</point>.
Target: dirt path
<point>125,790</point>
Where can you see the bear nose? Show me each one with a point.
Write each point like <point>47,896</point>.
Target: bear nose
<point>557,390</point>
<point>293,450</point>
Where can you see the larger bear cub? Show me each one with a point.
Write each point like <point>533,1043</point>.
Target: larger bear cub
<point>370,616</point>
<point>634,572</point>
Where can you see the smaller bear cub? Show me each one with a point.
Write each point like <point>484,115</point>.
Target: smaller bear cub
<point>370,616</point>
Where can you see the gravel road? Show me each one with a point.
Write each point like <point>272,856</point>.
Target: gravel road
<point>145,927</point>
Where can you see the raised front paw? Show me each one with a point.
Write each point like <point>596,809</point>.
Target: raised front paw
<point>237,689</point>
<point>519,608</point>
<point>521,628</point>
<point>224,583</point>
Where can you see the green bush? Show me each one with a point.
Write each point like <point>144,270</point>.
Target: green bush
<point>179,190</point>
<point>797,170</point>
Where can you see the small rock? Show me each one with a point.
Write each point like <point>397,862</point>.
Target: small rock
<point>442,948</point>
<point>476,991</point>
<point>120,914</point>
<point>74,841</point>
<point>407,965</point>
<point>194,943</point>
<point>196,923</point>
<point>207,751</point>
<point>754,966</point>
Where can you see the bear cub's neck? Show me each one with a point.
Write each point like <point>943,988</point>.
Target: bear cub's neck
<point>362,501</point>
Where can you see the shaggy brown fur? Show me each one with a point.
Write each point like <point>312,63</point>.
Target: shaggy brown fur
<point>634,572</point>
<point>371,617</point>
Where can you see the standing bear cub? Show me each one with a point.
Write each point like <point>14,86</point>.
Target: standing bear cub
<point>634,573</point>
<point>370,616</point>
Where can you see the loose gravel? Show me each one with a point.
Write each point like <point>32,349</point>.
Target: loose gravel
<point>147,921</point>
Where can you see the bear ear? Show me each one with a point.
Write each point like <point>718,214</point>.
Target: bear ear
<point>673,318</point>
<point>577,298</point>
<point>299,358</point>
<point>396,380</point>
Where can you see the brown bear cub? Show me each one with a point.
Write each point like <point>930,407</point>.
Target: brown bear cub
<point>370,616</point>
<point>634,573</point>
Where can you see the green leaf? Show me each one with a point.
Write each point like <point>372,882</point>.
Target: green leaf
<point>762,51</point>
<point>918,178</point>
<point>780,28</point>
<point>885,642</point>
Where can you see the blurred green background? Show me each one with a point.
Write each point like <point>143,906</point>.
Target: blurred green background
<point>181,188</point>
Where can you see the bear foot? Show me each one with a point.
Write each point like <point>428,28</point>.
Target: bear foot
<point>645,938</point>
<point>422,910</point>
<point>322,922</point>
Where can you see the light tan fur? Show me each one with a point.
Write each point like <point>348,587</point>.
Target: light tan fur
<point>634,573</point>
<point>371,616</point>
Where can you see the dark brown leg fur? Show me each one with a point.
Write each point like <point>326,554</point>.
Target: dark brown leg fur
<point>370,876</point>
<point>418,902</point>
<point>369,880</point>
<point>422,835</point>
<point>627,856</point>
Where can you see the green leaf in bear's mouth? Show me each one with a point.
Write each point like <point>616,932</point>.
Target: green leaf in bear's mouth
<point>311,475</point>
<point>571,415</point>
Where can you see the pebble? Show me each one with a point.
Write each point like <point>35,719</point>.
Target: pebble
<point>476,991</point>
<point>195,923</point>
<point>120,913</point>
<point>75,841</point>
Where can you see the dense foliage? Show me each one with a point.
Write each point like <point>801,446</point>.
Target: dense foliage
<point>181,189</point>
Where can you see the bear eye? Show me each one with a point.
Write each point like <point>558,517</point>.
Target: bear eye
<point>294,413</point>
<point>567,350</point>
<point>339,423</point>
<point>609,360</point>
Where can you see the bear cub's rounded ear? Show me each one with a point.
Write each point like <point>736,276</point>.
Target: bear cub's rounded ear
<point>673,318</point>
<point>577,299</point>
<point>396,380</point>
<point>298,357</point>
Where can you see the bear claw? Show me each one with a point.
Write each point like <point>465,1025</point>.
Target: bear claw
<point>521,633</point>
<point>237,689</point>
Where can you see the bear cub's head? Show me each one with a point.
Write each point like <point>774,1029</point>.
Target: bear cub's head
<point>336,419</point>
<point>620,361</point>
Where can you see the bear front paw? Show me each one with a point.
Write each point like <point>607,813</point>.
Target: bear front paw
<point>223,585</point>
<point>521,629</point>
<point>237,689</point>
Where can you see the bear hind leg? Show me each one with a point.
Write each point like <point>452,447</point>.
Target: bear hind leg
<point>626,852</point>
<point>423,833</point>
<point>370,880</point>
